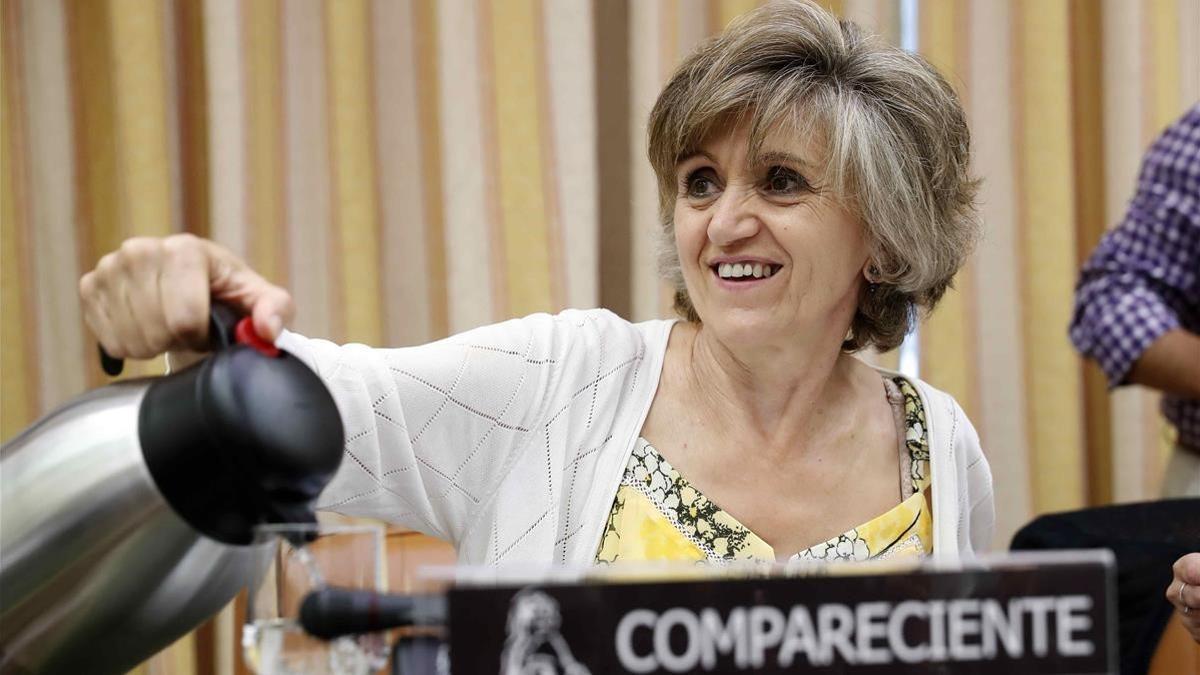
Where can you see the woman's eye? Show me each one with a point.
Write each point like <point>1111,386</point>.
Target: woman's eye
<point>701,183</point>
<point>784,181</point>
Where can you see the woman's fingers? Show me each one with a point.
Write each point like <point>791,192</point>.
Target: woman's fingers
<point>1184,593</point>
<point>273,311</point>
<point>183,286</point>
<point>1184,596</point>
<point>1187,569</point>
<point>143,262</point>
<point>124,339</point>
<point>1188,606</point>
<point>270,306</point>
<point>95,315</point>
<point>153,295</point>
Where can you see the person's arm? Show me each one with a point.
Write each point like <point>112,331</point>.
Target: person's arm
<point>1142,277</point>
<point>435,433</point>
<point>1170,364</point>
<point>431,430</point>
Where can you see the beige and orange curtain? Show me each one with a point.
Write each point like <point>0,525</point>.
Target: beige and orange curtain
<point>412,168</point>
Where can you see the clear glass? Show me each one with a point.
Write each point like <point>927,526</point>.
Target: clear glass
<point>348,556</point>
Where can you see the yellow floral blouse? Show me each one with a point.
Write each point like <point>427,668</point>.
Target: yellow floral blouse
<point>658,515</point>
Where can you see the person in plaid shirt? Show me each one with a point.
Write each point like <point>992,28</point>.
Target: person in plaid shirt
<point>1137,313</point>
<point>1137,303</point>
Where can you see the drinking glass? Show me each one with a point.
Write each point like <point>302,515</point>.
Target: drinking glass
<point>304,558</point>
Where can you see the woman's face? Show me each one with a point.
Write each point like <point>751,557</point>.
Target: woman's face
<point>767,253</point>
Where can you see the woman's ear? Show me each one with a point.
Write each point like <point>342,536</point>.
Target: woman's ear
<point>871,272</point>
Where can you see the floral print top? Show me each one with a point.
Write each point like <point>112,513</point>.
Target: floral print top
<point>658,515</point>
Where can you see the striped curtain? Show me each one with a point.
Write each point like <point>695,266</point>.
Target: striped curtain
<point>412,168</point>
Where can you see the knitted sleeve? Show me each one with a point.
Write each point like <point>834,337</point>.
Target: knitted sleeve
<point>433,430</point>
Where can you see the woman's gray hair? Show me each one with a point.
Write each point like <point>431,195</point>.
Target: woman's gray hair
<point>895,137</point>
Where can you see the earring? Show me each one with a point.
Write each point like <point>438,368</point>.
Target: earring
<point>872,279</point>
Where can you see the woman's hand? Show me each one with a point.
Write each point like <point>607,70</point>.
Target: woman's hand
<point>152,296</point>
<point>1184,592</point>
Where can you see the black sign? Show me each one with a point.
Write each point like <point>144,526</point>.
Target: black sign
<point>1049,617</point>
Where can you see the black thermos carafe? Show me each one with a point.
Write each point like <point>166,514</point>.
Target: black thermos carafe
<point>126,515</point>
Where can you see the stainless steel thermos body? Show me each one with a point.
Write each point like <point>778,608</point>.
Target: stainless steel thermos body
<point>96,569</point>
<point>127,515</point>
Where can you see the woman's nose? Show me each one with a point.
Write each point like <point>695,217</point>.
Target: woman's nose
<point>733,218</point>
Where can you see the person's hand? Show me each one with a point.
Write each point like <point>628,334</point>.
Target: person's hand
<point>1184,592</point>
<point>152,296</point>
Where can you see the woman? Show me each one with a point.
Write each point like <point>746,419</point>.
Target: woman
<point>815,196</point>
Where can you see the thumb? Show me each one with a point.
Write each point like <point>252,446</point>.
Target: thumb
<point>272,311</point>
<point>270,306</point>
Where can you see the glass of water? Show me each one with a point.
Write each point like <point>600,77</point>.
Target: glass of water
<point>305,558</point>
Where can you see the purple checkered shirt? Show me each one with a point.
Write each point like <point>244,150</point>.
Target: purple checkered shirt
<point>1144,278</point>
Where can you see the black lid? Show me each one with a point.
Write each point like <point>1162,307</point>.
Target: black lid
<point>239,439</point>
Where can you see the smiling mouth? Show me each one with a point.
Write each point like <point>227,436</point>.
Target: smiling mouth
<point>748,271</point>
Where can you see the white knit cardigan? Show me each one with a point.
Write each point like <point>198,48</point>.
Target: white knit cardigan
<point>510,440</point>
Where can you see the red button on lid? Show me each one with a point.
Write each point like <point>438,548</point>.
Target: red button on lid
<point>245,334</point>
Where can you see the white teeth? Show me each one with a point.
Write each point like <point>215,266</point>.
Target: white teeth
<point>740,270</point>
